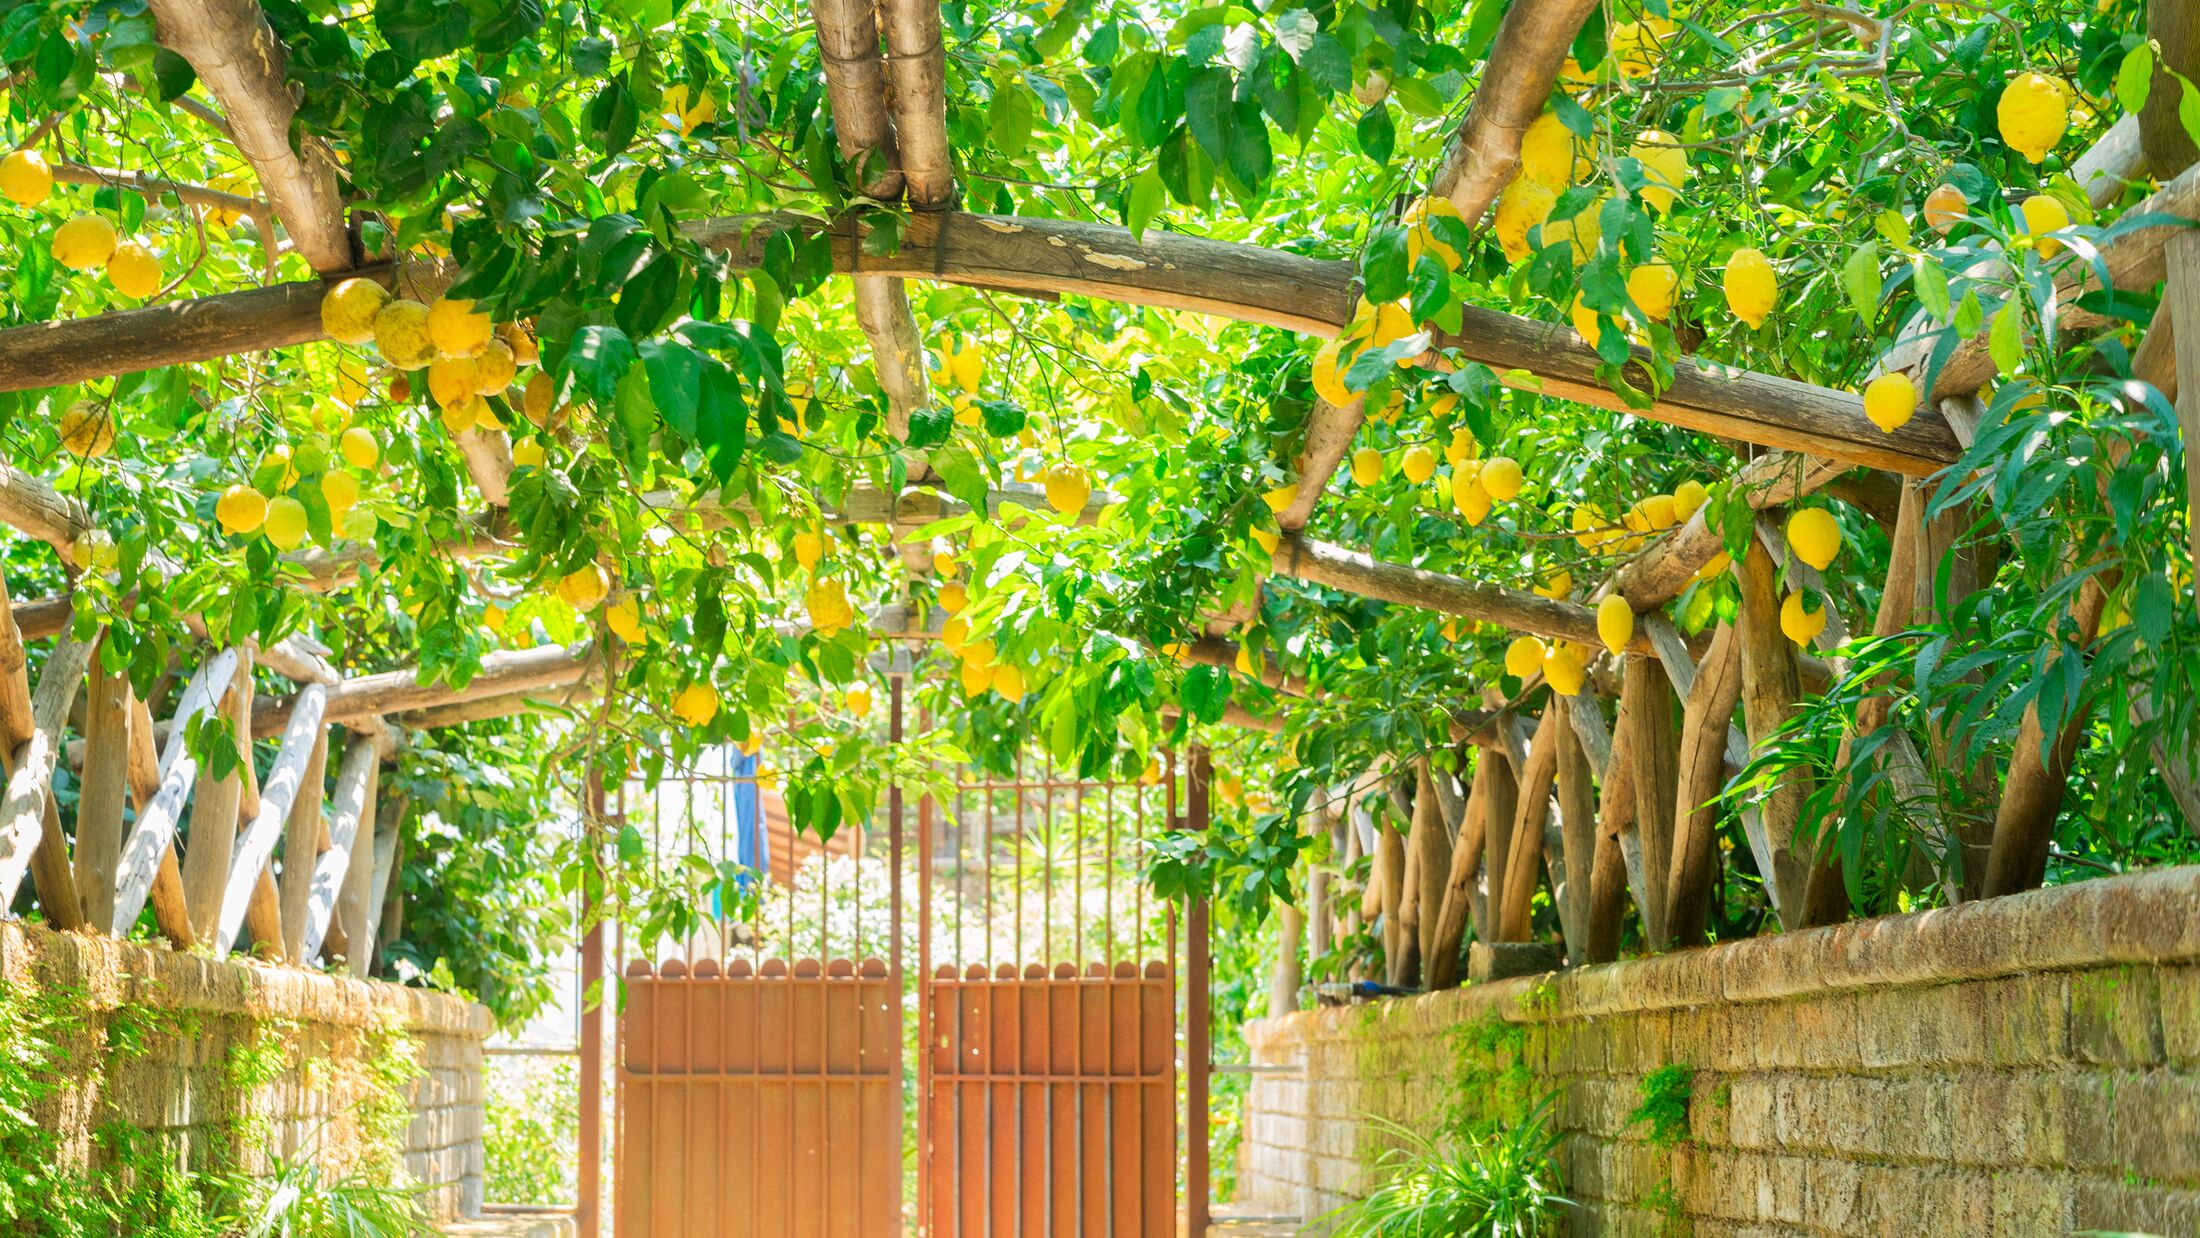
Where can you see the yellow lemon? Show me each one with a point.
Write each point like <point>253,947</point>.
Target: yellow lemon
<point>975,679</point>
<point>857,699</point>
<point>84,242</point>
<point>1419,237</point>
<point>1151,775</point>
<point>1890,400</point>
<point>286,522</point>
<point>1659,511</point>
<point>1470,498</point>
<point>1558,587</point>
<point>809,548</point>
<point>340,490</point>
<point>1247,662</point>
<point>1564,670</point>
<point>1547,152</point>
<point>585,587</point>
<point>1267,539</point>
<point>456,329</point>
<point>24,178</point>
<point>1651,287</point>
<point>1815,536</point>
<point>1752,287</point>
<point>1689,498</point>
<point>1664,168</point>
<point>1585,322</point>
<point>954,596</point>
<point>1524,205</point>
<point>527,454</point>
<point>944,566</point>
<point>87,430</point>
<point>1584,230</point>
<point>1945,207</point>
<point>349,307</point>
<point>1367,466</point>
<point>360,448</point>
<point>1634,51</point>
<point>1615,622</point>
<point>525,350</point>
<point>1418,464</point>
<point>537,398</point>
<point>95,551</point>
<point>495,368</point>
<point>451,380</point>
<point>134,270</point>
<point>1330,363</point>
<point>2044,213</point>
<point>401,333</point>
<point>1523,657</point>
<point>1801,620</point>
<point>624,618</point>
<point>696,704</point>
<point>241,509</point>
<point>1281,498</point>
<point>2033,113</point>
<point>1461,448</point>
<point>979,653</point>
<point>1501,476</point>
<point>955,633</point>
<point>1067,487</point>
<point>1008,681</point>
<point>1716,565</point>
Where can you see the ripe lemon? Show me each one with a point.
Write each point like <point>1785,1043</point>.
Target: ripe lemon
<point>827,601</point>
<point>1945,207</point>
<point>1461,448</point>
<point>349,307</point>
<point>452,380</point>
<point>1330,363</point>
<point>456,329</point>
<point>1716,565</point>
<point>1651,287</point>
<point>857,699</point>
<point>1585,322</point>
<point>495,368</point>
<point>24,178</point>
<point>1615,622</point>
<point>1501,476</point>
<point>1659,511</point>
<point>944,566</point>
<point>87,430</point>
<point>285,525</point>
<point>1067,487</point>
<point>2042,214</point>
<point>1564,670</point>
<point>975,679</point>
<point>1547,152</point>
<point>1524,205</point>
<point>527,454</point>
<point>967,366</point>
<point>494,617</point>
<point>1801,620</point>
<point>624,618</point>
<point>1634,51</point>
<point>1246,661</point>
<point>134,270</point>
<point>1419,239</point>
<point>1281,498</point>
<point>1814,536</point>
<point>1558,587</point>
<point>809,548</point>
<point>955,633</point>
<point>1267,539</point>
<point>1890,400</point>
<point>979,653</point>
<point>340,490</point>
<point>2033,114</point>
<point>462,416</point>
<point>1470,499</point>
<point>583,589</point>
<point>84,242</point>
<point>1523,657</point>
<point>401,333</point>
<point>1752,286</point>
<point>1664,168</point>
<point>1688,499</point>
<point>954,595</point>
<point>361,449</point>
<point>1584,230</point>
<point>241,509</point>
<point>1418,464</point>
<point>537,397</point>
<point>1008,681</point>
<point>696,704</point>
<point>1367,466</point>
<point>525,350</point>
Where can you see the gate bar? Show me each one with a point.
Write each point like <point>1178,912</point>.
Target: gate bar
<point>1198,1034</point>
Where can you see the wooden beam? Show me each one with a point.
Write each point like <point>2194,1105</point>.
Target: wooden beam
<point>214,811</point>
<point>1525,57</point>
<point>256,846</point>
<point>1330,429</point>
<point>166,893</point>
<point>149,843</point>
<point>1577,821</point>
<point>243,65</point>
<point>1616,821</point>
<point>1772,690</point>
<point>897,353</point>
<point>106,786</point>
<point>1709,714</point>
<point>23,812</point>
<point>1532,812</point>
<point>366,941</point>
<point>918,72</point>
<point>1440,970</point>
<point>855,83</point>
<point>1663,569</point>
<point>504,673</point>
<point>305,837</point>
<point>1654,761</point>
<point>334,870</point>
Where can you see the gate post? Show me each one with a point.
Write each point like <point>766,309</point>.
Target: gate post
<point>1198,1016</point>
<point>589,1179</point>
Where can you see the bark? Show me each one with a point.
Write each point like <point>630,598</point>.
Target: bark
<point>1577,819</point>
<point>169,913</point>
<point>882,310</point>
<point>1440,969</point>
<point>855,81</point>
<point>1525,852</point>
<point>1615,816</point>
<point>1390,865</point>
<point>2024,827</point>
<point>2183,296</point>
<point>214,812</point>
<point>345,870</point>
<point>154,187</point>
<point>1663,569</point>
<point>1498,810</point>
<point>148,851</point>
<point>256,846</point>
<point>504,673</point>
<point>2174,25</point>
<point>1771,691</point>
<point>1655,763</point>
<point>105,786</point>
<point>918,73</point>
<point>27,809</point>
<point>1329,432</point>
<point>1709,712</point>
<point>1522,68</point>
<point>1433,848</point>
<point>488,457</point>
<point>1289,972</point>
<point>305,837</point>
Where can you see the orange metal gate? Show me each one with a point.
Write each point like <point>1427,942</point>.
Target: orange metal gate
<point>761,1101</point>
<point>1051,1102</point>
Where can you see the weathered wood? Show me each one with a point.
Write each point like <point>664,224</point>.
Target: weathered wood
<point>1609,876</point>
<point>1390,863</point>
<point>488,457</point>
<point>1432,843</point>
<point>256,846</point>
<point>1504,805</point>
<point>2116,159</point>
<point>23,812</point>
<point>855,83</point>
<point>2183,297</point>
<point>1577,820</point>
<point>504,673</point>
<point>106,786</point>
<point>334,871</point>
<point>2024,825</point>
<point>1533,811</point>
<point>1662,571</point>
<point>156,826</point>
<point>1771,692</point>
<point>305,837</point>
<point>897,353</point>
<point>242,64</point>
<point>214,815</point>
<point>16,721</point>
<point>367,940</point>
<point>918,73</point>
<point>1707,717</point>
<point>1586,720</point>
<point>1440,970</point>
<point>31,506</point>
<point>166,892</point>
<point>1329,432</point>
<point>1522,68</point>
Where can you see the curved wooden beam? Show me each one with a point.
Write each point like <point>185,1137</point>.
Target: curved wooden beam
<point>1524,61</point>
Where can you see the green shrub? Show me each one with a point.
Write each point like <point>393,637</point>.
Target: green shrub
<point>1502,1182</point>
<point>531,1139</point>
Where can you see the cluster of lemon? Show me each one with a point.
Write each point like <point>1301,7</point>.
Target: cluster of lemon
<point>1648,516</point>
<point>960,373</point>
<point>244,510</point>
<point>1814,537</point>
<point>827,595</point>
<point>466,356</point>
<point>1564,664</point>
<point>982,667</point>
<point>87,242</point>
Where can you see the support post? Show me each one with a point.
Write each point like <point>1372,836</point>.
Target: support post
<point>1577,821</point>
<point>1532,814</point>
<point>1616,817</point>
<point>106,786</point>
<point>1432,839</point>
<point>1198,1034</point>
<point>214,812</point>
<point>589,1175</point>
<point>1710,711</point>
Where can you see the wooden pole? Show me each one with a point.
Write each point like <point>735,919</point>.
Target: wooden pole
<point>1709,713</point>
<point>1514,922</point>
<point>1616,818</point>
<point>1390,877</point>
<point>256,846</point>
<point>1440,966</point>
<point>1508,762</point>
<point>305,837</point>
<point>589,1177</point>
<point>105,788</point>
<point>350,816</point>
<point>24,812</point>
<point>1432,874</point>
<point>1771,692</point>
<point>214,815</point>
<point>2183,297</point>
<point>1577,820</point>
<point>1198,1016</point>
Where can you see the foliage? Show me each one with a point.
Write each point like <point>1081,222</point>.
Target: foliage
<point>1664,1106</point>
<point>530,1135</point>
<point>301,1199</point>
<point>1501,1182</point>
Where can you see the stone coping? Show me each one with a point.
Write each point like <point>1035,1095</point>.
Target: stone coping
<point>2149,917</point>
<point>111,973</point>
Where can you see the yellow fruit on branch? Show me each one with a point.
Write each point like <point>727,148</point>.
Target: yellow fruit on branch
<point>1367,466</point>
<point>522,342</point>
<point>452,380</point>
<point>1547,153</point>
<point>1659,511</point>
<point>975,679</point>
<point>2044,213</point>
<point>456,329</point>
<point>1583,230</point>
<point>537,399</point>
<point>24,178</point>
<point>84,243</point>
<point>401,334</point>
<point>1280,499</point>
<point>1752,286</point>
<point>624,618</point>
<point>809,548</point>
<point>1421,239</point>
<point>1815,536</point>
<point>95,551</point>
<point>340,490</point>
<point>1945,207</point>
<point>945,566</point>
<point>1461,448</point>
<point>1008,681</point>
<point>1664,168</point>
<point>495,368</point>
<point>1524,206</point>
<point>979,653</point>
<point>586,587</point>
<point>1330,363</point>
<point>1523,657</point>
<point>1688,499</point>
<point>1615,622</point>
<point>857,699</point>
<point>87,430</point>
<point>285,526</point>
<point>1267,539</point>
<point>1652,286</point>
<point>241,509</point>
<point>1564,669</point>
<point>1470,499</point>
<point>1802,619</point>
<point>954,633</point>
<point>527,453</point>
<point>696,704</point>
<point>134,270</point>
<point>1586,322</point>
<point>2033,113</point>
<point>1634,48</point>
<point>1502,478</point>
<point>1067,487</point>
<point>1890,400</point>
<point>830,612</point>
<point>348,310</point>
<point>1418,464</point>
<point>1558,587</point>
<point>954,595</point>
<point>463,416</point>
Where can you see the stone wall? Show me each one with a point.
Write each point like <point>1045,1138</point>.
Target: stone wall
<point>235,1063</point>
<point>2026,1065</point>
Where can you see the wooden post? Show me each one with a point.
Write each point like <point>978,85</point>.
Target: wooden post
<point>1440,969</point>
<point>1771,688</point>
<point>1289,973</point>
<point>594,986</point>
<point>1534,811</point>
<point>1433,838</point>
<point>355,908</point>
<point>305,837</point>
<point>25,811</point>
<point>1709,713</point>
<point>256,846</point>
<point>1390,869</point>
<point>106,786</point>
<point>2183,297</point>
<point>1198,1012</point>
<point>2024,825</point>
<point>1498,809</point>
<point>1577,819</point>
<point>350,818</point>
<point>1616,816</point>
<point>214,814</point>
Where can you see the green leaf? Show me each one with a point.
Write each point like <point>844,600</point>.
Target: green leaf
<point>1931,283</point>
<point>962,473</point>
<point>1207,111</point>
<point>1861,280</point>
<point>598,359</point>
<point>1003,418</point>
<point>675,382</point>
<point>1009,120</point>
<point>1147,197</point>
<point>1430,288</point>
<point>930,426</point>
<point>1250,158</point>
<point>2005,342</point>
<point>1893,225</point>
<point>1970,315</point>
<point>2134,78</point>
<point>721,419</point>
<point>1378,137</point>
<point>1383,267</point>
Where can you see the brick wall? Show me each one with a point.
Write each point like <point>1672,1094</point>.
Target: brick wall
<point>158,1039</point>
<point>2027,1065</point>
